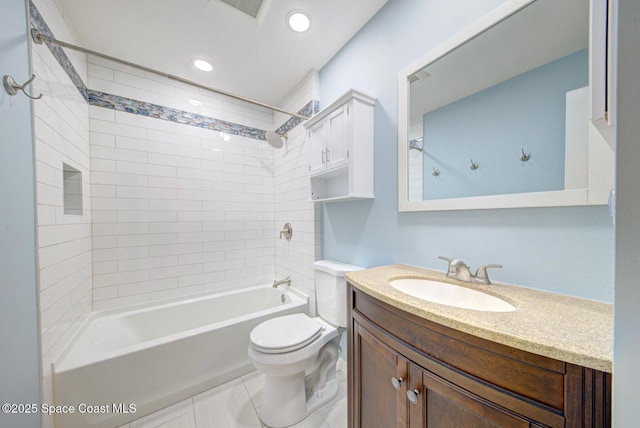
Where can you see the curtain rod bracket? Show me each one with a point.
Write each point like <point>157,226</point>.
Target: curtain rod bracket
<point>36,35</point>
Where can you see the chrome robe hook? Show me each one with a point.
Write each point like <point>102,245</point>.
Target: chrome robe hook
<point>12,87</point>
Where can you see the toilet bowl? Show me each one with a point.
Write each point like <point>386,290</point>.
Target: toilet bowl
<point>298,354</point>
<point>287,396</point>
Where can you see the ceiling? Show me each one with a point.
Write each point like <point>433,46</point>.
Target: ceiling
<point>259,58</point>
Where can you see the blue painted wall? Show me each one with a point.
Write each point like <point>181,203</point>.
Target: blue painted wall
<point>19,350</point>
<point>499,122</point>
<point>563,250</point>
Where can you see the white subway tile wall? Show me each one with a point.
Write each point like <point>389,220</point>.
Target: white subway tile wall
<point>61,128</point>
<point>178,209</point>
<point>416,164</point>
<point>416,179</point>
<point>181,210</point>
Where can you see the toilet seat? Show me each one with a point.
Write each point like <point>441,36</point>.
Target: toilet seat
<point>285,334</point>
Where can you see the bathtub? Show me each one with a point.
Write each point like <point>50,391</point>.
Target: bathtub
<point>125,363</point>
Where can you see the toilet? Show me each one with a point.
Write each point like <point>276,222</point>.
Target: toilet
<point>298,354</point>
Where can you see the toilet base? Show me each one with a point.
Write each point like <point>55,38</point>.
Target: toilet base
<point>283,400</point>
<point>282,407</point>
<point>322,397</point>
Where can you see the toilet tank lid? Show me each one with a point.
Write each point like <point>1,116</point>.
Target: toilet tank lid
<point>335,268</point>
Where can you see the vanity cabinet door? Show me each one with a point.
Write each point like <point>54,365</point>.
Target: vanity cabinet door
<point>449,406</point>
<point>378,404</point>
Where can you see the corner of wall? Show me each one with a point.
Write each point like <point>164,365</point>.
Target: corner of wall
<point>295,258</point>
<point>61,130</point>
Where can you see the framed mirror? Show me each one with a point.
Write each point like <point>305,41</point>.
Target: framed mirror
<point>498,116</point>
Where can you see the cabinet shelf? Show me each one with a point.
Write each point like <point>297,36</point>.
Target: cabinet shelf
<point>334,186</point>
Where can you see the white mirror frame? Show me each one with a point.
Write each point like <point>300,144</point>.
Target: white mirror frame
<point>600,180</point>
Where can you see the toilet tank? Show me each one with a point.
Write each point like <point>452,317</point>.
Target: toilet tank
<point>331,290</point>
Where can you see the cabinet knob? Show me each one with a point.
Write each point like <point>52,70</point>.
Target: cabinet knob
<point>413,396</point>
<point>397,382</point>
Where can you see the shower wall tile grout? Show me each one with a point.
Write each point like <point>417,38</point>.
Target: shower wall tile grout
<point>180,212</point>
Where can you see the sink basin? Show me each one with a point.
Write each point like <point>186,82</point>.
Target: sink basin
<point>451,295</point>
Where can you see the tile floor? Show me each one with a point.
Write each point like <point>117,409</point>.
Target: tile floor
<point>236,404</point>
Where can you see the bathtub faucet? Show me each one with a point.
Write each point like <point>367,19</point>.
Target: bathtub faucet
<point>286,281</point>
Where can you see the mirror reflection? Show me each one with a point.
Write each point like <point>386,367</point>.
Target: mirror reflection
<point>505,112</point>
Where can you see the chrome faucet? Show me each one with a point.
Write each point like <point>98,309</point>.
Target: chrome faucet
<point>459,270</point>
<point>286,281</point>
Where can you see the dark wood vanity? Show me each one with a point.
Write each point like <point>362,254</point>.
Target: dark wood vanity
<point>407,371</point>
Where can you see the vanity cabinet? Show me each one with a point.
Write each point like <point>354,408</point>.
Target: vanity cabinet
<point>341,149</point>
<point>406,371</point>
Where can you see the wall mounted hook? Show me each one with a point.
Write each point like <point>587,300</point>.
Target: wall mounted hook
<point>436,172</point>
<point>525,156</point>
<point>474,165</point>
<point>12,87</point>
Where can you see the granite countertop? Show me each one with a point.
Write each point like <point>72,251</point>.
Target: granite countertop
<point>565,328</point>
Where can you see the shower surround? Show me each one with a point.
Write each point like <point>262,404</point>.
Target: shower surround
<point>170,207</point>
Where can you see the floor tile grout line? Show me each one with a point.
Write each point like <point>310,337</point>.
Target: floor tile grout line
<point>160,410</point>
<point>326,422</point>
<point>193,411</point>
<point>246,389</point>
<point>255,409</point>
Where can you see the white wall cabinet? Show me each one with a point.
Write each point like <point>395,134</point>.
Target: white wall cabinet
<point>341,155</point>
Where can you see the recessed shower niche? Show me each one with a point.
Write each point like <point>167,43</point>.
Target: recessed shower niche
<point>72,190</point>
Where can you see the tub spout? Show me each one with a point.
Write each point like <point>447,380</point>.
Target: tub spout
<point>286,281</point>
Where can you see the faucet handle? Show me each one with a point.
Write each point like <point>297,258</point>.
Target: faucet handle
<point>287,231</point>
<point>451,269</point>
<point>481,274</point>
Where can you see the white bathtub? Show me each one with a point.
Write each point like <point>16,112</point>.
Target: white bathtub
<point>152,356</point>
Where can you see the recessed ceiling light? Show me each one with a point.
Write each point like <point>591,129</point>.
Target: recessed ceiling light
<point>298,21</point>
<point>202,64</point>
<point>195,102</point>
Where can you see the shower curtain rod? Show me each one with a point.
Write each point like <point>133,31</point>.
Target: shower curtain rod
<point>39,38</point>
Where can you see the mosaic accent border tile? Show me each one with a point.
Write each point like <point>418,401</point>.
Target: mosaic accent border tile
<point>116,102</point>
<point>311,108</point>
<point>38,22</point>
